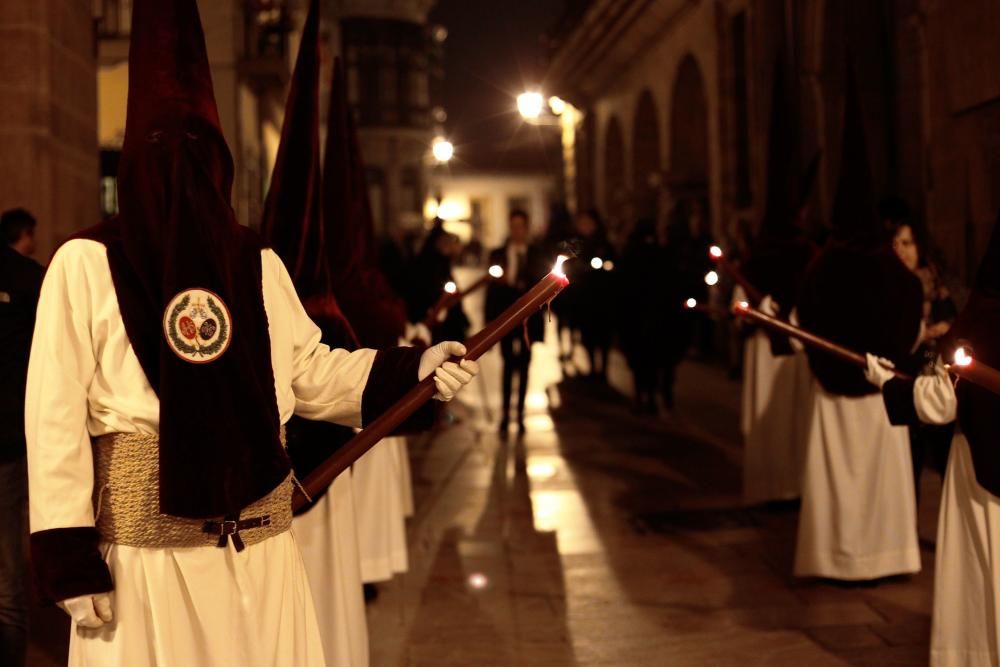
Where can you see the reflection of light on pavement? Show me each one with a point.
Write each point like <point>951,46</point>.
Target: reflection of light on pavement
<point>539,423</point>
<point>546,506</point>
<point>478,581</point>
<point>536,400</point>
<point>541,470</point>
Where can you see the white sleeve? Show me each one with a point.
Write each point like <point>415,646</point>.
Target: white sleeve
<point>328,383</point>
<point>934,398</point>
<point>62,365</point>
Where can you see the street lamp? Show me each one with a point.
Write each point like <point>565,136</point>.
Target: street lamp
<point>530,104</point>
<point>442,149</point>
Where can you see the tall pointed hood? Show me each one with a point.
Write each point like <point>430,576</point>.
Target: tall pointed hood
<point>783,157</point>
<point>377,314</point>
<point>780,254</point>
<point>293,210</point>
<point>188,277</point>
<point>855,212</point>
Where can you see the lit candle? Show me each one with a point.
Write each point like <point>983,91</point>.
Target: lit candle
<point>451,295</point>
<point>715,252</point>
<point>745,310</point>
<point>966,367</point>
<point>529,304</point>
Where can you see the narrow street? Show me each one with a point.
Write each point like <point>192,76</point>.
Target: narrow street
<point>603,538</point>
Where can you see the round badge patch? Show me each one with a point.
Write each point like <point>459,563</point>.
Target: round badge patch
<point>197,325</point>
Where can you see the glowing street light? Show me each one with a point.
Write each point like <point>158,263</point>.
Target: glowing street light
<point>442,149</point>
<point>530,104</point>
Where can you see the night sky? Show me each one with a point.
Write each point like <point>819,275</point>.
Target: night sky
<point>495,51</point>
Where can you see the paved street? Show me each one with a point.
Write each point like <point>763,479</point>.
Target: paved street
<point>602,538</point>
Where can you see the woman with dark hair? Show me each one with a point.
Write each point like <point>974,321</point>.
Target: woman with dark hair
<point>928,442</point>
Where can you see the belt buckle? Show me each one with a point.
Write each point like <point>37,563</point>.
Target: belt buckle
<point>229,528</point>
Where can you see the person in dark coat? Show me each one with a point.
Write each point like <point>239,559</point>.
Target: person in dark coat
<point>431,271</point>
<point>20,282</point>
<point>647,285</point>
<point>593,276</point>
<point>524,264</point>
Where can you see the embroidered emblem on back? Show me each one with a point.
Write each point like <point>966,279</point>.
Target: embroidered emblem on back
<point>197,326</point>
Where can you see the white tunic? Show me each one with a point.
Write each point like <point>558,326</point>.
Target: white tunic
<point>966,624</point>
<point>192,606</point>
<point>775,421</point>
<point>858,518</point>
<point>327,536</point>
<point>379,508</point>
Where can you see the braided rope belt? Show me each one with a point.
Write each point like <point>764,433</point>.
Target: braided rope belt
<point>127,502</point>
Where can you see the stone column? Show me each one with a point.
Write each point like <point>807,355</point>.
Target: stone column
<point>48,116</point>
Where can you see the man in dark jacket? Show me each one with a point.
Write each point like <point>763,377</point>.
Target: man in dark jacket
<point>523,265</point>
<point>20,281</point>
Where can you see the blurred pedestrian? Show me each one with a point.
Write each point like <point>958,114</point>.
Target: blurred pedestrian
<point>929,443</point>
<point>523,263</point>
<point>20,282</point>
<point>595,278</point>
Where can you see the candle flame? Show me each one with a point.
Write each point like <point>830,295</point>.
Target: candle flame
<point>691,303</point>
<point>711,278</point>
<point>962,357</point>
<point>450,287</point>
<point>557,270</point>
<point>496,271</point>
<point>596,263</point>
<point>715,252</point>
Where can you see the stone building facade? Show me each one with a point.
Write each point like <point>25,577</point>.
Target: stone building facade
<point>676,101</point>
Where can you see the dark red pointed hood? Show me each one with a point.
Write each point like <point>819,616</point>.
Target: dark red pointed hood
<point>377,314</point>
<point>188,276</point>
<point>293,211</point>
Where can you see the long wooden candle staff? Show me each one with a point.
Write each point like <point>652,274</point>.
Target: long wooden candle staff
<point>451,295</point>
<point>753,294</point>
<point>530,303</point>
<point>745,310</point>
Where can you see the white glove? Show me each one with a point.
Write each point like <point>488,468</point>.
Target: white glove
<point>768,306</point>
<point>449,377</point>
<point>89,611</point>
<point>879,370</point>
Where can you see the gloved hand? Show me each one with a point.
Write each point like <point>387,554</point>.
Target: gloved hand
<point>768,306</point>
<point>449,377</point>
<point>879,370</point>
<point>89,611</point>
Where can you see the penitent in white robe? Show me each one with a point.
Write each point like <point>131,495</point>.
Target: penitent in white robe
<point>378,506</point>
<point>966,624</point>
<point>775,415</point>
<point>195,607</point>
<point>327,537</point>
<point>858,518</point>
